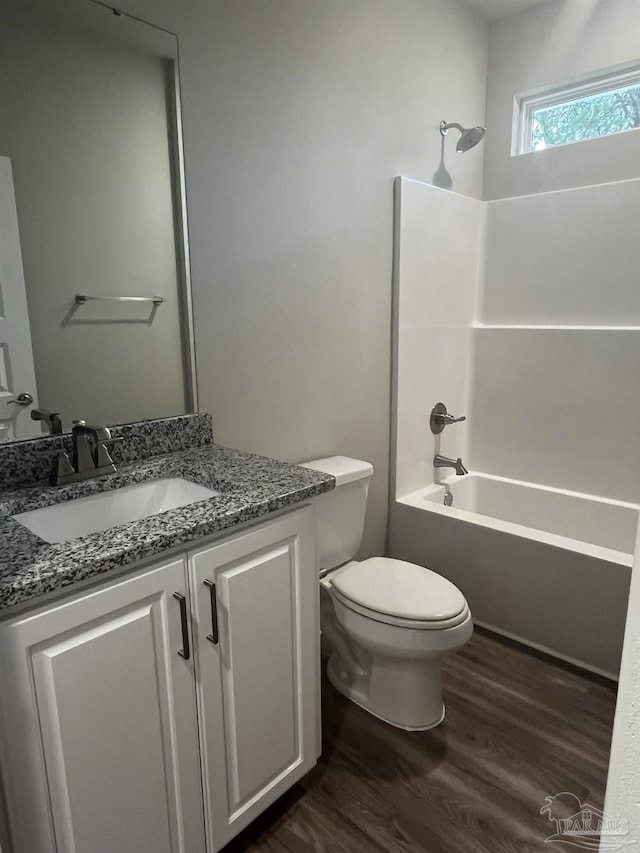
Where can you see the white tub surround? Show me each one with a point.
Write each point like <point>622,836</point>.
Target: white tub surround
<point>523,315</point>
<point>433,318</point>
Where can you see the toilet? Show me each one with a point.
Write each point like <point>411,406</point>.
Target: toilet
<point>388,622</point>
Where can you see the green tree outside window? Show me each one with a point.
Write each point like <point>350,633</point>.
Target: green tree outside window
<point>586,118</point>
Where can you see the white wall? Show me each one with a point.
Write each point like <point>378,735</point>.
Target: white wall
<point>297,115</point>
<point>623,785</point>
<point>543,46</point>
<point>93,193</point>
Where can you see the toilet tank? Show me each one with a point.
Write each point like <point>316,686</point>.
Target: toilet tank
<point>341,512</point>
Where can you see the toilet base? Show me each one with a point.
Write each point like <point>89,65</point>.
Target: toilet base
<point>394,695</point>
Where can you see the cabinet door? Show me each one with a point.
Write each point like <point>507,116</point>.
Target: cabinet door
<point>257,675</point>
<point>98,723</point>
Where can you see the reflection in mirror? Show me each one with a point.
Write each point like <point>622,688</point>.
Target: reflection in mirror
<point>91,204</point>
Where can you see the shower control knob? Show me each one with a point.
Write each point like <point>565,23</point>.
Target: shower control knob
<point>440,418</point>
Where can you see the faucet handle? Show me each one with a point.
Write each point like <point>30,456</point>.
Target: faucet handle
<point>104,449</point>
<point>62,468</point>
<point>440,418</point>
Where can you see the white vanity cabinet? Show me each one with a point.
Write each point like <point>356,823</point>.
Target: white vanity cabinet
<point>125,727</point>
<point>256,638</point>
<point>99,744</point>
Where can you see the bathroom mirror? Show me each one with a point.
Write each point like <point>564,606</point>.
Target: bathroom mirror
<point>95,311</point>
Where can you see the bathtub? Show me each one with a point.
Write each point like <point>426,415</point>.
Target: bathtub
<point>548,567</point>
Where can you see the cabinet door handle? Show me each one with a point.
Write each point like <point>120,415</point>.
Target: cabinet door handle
<point>213,636</point>
<point>185,651</point>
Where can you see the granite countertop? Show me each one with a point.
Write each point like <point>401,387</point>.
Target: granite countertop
<point>251,486</point>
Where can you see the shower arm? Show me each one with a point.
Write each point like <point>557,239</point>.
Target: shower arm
<point>445,127</point>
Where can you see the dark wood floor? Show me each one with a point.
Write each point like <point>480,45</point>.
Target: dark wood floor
<point>519,728</point>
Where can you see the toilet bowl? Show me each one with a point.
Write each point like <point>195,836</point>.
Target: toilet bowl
<point>388,622</point>
<point>389,663</point>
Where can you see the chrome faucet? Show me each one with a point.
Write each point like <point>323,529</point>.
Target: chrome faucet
<point>444,462</point>
<point>90,457</point>
<point>51,419</point>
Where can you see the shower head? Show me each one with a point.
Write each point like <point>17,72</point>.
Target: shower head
<point>469,136</point>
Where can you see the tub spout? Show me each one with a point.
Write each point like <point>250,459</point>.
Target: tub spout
<point>444,462</point>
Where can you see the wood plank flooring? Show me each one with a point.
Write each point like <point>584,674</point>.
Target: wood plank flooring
<point>519,728</point>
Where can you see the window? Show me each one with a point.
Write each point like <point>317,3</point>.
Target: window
<point>601,106</point>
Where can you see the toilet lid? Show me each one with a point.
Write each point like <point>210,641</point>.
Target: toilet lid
<point>401,590</point>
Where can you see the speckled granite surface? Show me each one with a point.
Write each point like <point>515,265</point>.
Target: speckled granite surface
<point>251,486</point>
<point>31,460</point>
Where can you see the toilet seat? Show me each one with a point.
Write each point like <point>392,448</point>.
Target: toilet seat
<point>400,593</point>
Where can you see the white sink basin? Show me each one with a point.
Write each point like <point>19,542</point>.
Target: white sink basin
<point>75,518</point>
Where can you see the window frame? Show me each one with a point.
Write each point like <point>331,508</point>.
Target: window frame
<point>595,83</point>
